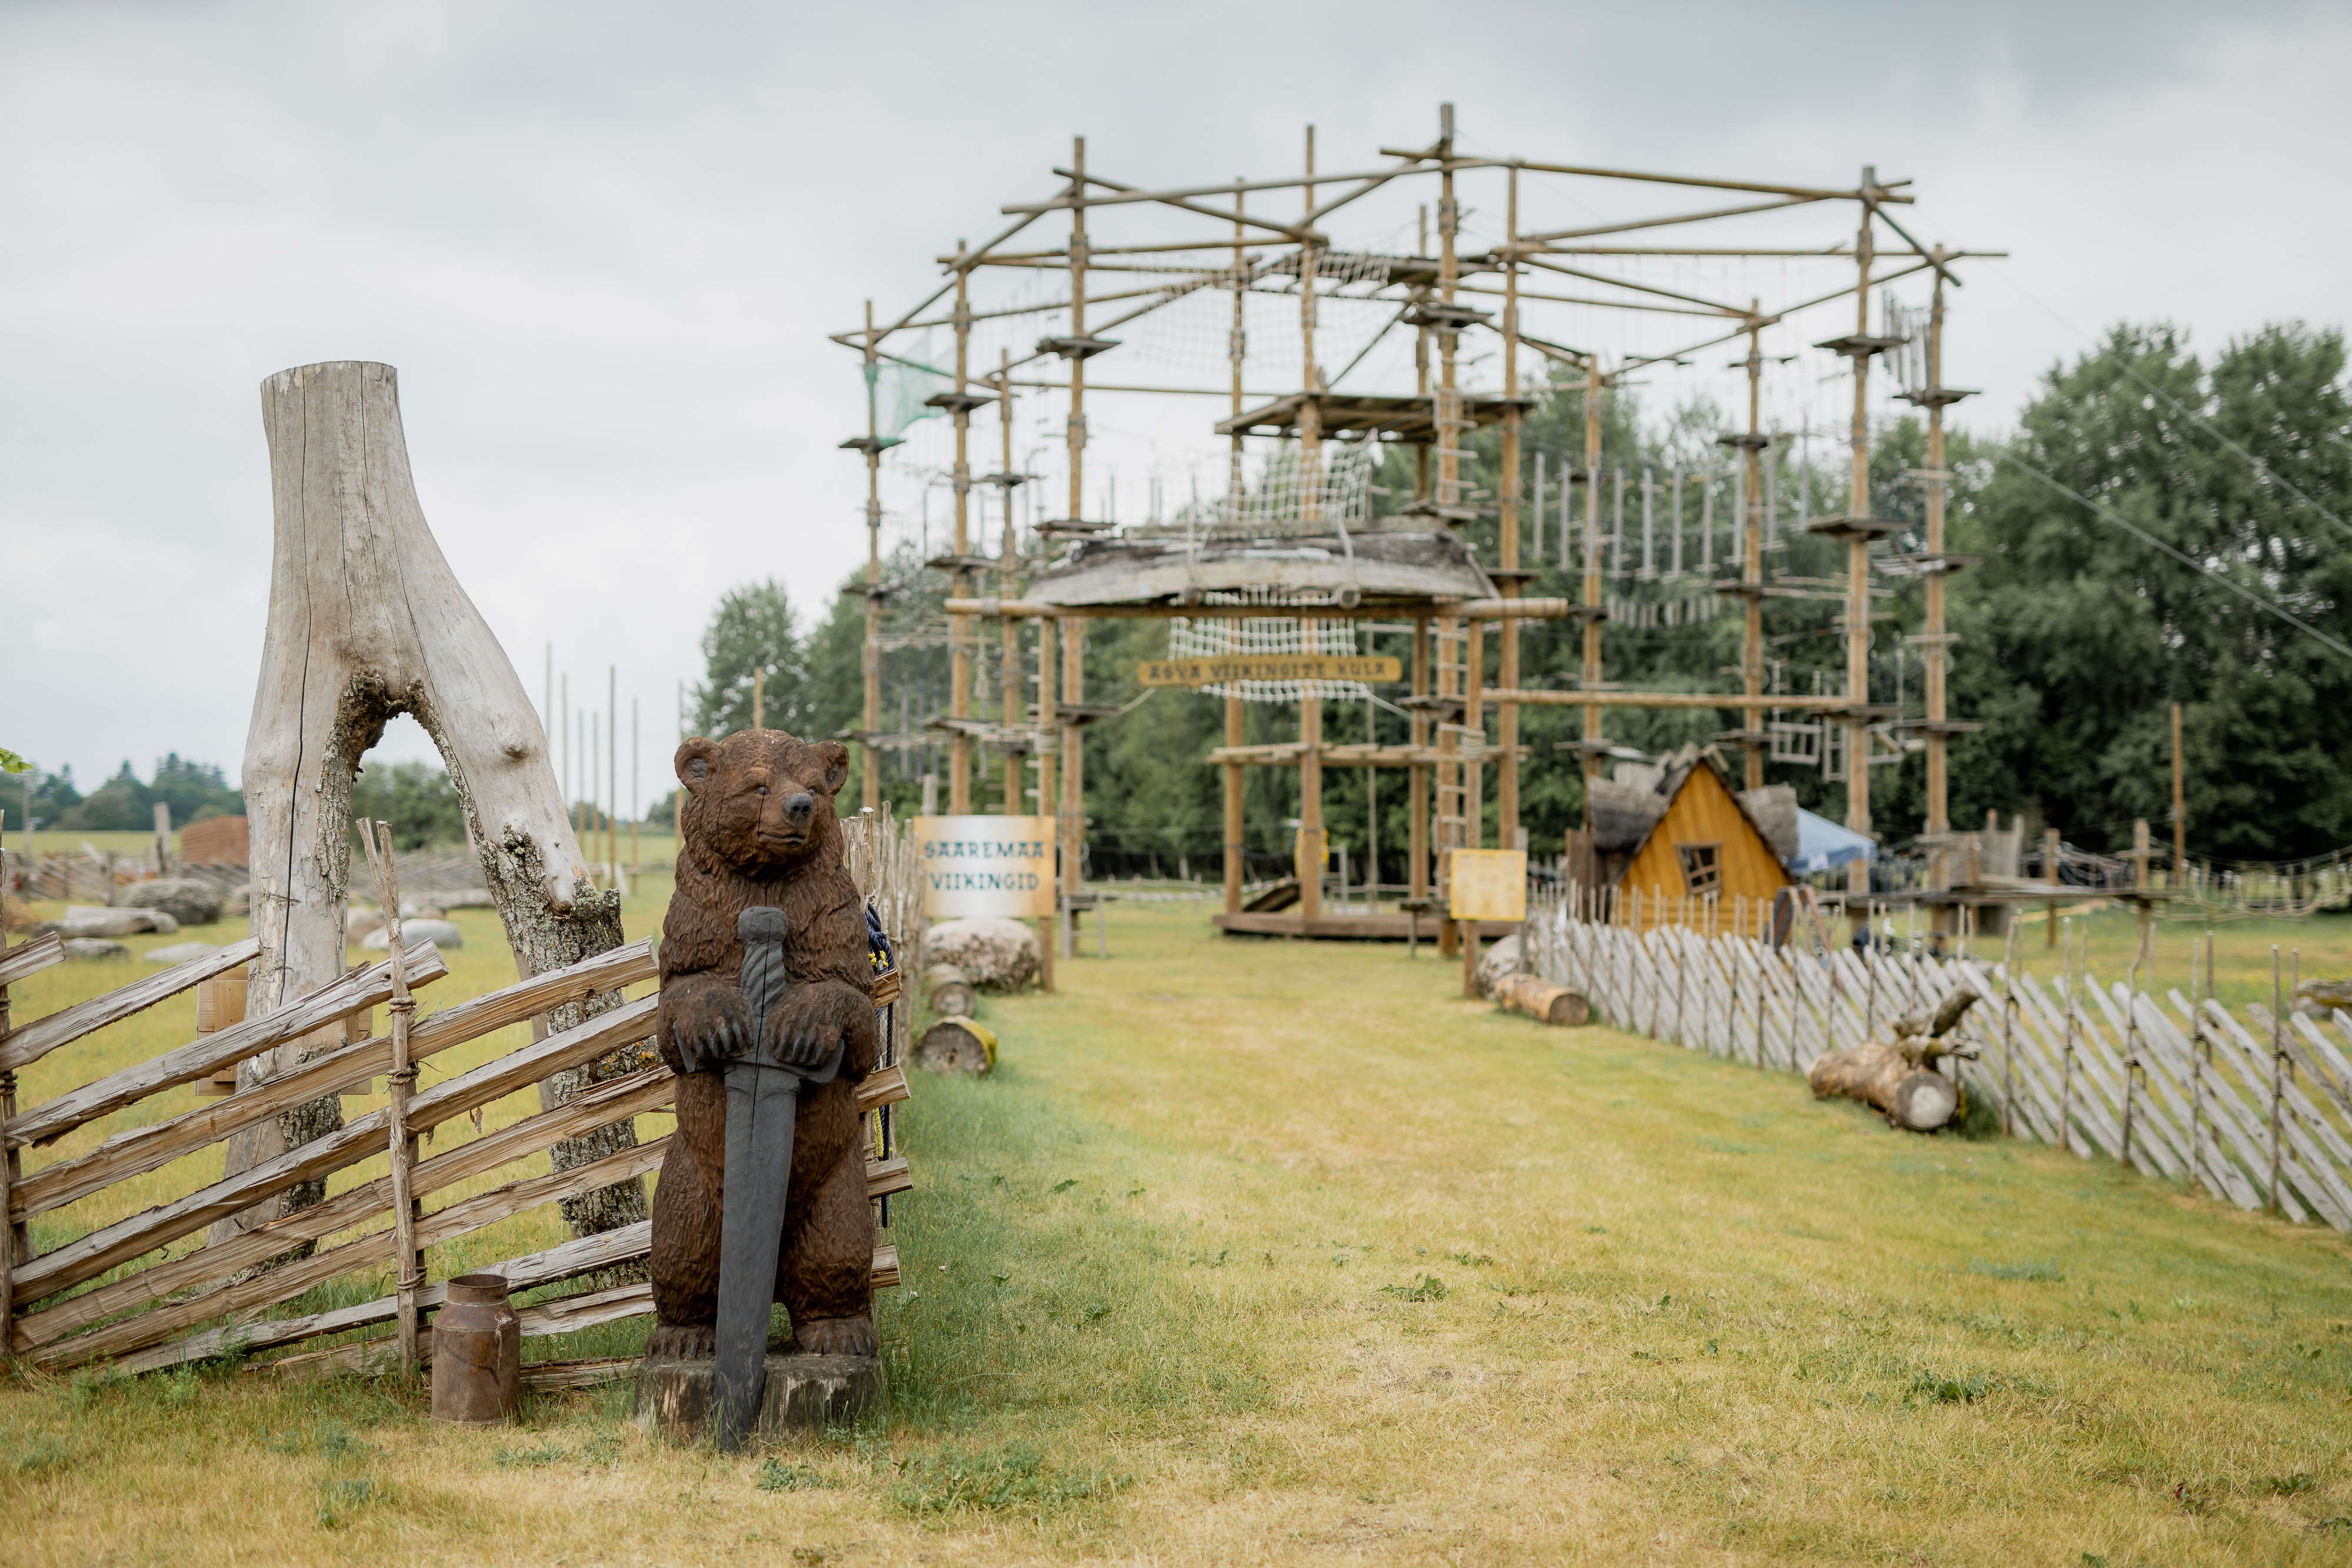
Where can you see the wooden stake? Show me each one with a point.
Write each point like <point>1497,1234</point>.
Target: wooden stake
<point>959,627</point>
<point>2278,1059</point>
<point>2009,1029</point>
<point>1938,819</point>
<point>1073,811</point>
<point>1751,572</point>
<point>1589,669</point>
<point>399,1081</point>
<point>613,769</point>
<point>1008,586</point>
<point>1507,716</point>
<point>870,787</point>
<point>1049,927</point>
<point>1857,564</point>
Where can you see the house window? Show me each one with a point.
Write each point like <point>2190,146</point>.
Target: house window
<point>1702,867</point>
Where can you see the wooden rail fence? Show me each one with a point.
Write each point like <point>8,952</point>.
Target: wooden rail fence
<point>118,1293</point>
<point>2258,1113</point>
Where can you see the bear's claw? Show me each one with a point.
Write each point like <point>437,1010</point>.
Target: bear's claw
<point>835,1337</point>
<point>684,1341</point>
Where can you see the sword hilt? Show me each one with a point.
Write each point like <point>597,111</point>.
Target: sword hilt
<point>760,929</point>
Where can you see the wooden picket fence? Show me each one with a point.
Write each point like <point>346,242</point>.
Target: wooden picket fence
<point>119,1293</point>
<point>2257,1112</point>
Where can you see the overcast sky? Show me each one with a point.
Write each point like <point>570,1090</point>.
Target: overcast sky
<point>603,245</point>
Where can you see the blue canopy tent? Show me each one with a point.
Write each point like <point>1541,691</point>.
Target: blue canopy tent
<point>1822,846</point>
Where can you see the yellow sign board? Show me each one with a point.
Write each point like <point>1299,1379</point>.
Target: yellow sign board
<point>1233,668</point>
<point>1488,885</point>
<point>985,865</point>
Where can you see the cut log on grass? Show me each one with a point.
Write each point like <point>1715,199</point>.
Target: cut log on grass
<point>1539,1000</point>
<point>1900,1079</point>
<point>956,1045</point>
<point>1890,1078</point>
<point>367,621</point>
<point>951,995</point>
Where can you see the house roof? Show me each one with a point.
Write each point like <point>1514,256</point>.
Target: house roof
<point>1671,787</point>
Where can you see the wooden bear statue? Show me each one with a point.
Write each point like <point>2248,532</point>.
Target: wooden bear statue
<point>756,828</point>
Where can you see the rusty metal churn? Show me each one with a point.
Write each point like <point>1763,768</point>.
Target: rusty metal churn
<point>477,1353</point>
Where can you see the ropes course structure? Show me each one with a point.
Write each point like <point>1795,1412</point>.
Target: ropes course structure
<point>1343,319</point>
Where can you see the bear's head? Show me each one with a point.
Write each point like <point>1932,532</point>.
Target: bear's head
<point>759,801</point>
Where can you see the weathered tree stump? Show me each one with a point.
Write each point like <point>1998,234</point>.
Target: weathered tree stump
<point>366,620</point>
<point>804,1394</point>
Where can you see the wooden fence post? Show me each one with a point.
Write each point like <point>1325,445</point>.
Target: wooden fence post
<point>2009,1030</point>
<point>408,1264</point>
<point>2278,1054</point>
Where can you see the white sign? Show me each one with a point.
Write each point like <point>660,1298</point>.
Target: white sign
<point>986,865</point>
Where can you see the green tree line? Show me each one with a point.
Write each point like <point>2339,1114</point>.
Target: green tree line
<point>2074,638</point>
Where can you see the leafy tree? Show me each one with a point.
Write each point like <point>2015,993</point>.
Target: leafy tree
<point>2078,637</point>
<point>119,805</point>
<point>194,790</point>
<point>416,798</point>
<point>753,630</point>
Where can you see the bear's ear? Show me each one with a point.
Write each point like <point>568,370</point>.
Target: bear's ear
<point>836,758</point>
<point>697,760</point>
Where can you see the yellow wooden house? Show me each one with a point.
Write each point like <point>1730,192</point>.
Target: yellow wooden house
<point>1680,836</point>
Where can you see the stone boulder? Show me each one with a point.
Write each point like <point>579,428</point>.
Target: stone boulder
<point>181,952</point>
<point>185,899</point>
<point>359,920</point>
<point>90,920</point>
<point>1496,962</point>
<point>995,954</point>
<point>2317,999</point>
<point>440,933</point>
<point>92,949</point>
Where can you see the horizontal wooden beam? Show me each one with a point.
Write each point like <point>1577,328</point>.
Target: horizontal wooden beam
<point>27,959</point>
<point>1498,696</point>
<point>117,1244</point>
<point>1809,192</point>
<point>354,993</point>
<point>146,1148</point>
<point>615,1101</point>
<point>1290,753</point>
<point>23,1046</point>
<point>1470,608</point>
<point>586,1255</point>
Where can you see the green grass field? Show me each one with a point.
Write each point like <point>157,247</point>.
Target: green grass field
<point>1264,1252</point>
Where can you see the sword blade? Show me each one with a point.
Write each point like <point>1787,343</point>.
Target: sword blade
<point>762,1104</point>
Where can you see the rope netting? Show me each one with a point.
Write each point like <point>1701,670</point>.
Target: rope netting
<point>1190,639</point>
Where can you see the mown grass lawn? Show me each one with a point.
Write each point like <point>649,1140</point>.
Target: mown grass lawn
<point>1254,1251</point>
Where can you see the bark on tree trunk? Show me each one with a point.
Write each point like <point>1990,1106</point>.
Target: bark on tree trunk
<point>367,621</point>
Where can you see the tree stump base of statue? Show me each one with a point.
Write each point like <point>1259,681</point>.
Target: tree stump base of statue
<point>805,1394</point>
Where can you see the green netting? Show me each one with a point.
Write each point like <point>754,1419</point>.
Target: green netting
<point>896,388</point>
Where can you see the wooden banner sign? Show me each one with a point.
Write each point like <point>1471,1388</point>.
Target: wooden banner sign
<point>1489,884</point>
<point>1267,667</point>
<point>985,865</point>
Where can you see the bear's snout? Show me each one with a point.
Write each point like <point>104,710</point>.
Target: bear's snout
<point>799,808</point>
